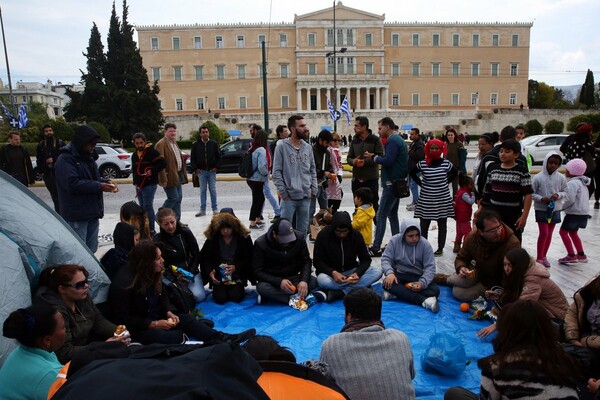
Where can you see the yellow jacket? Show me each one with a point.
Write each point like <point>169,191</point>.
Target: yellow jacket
<point>363,222</point>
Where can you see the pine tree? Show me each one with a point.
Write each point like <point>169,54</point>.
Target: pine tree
<point>586,96</point>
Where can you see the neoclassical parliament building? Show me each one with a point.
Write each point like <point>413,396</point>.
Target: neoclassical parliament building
<point>378,65</point>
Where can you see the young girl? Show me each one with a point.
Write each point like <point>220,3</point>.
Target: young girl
<point>463,207</point>
<point>334,189</point>
<point>435,202</point>
<point>576,208</point>
<point>548,187</point>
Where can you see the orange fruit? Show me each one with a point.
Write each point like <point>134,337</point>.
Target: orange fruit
<point>464,307</point>
<point>293,289</point>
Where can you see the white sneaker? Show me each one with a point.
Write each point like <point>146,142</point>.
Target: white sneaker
<point>431,303</point>
<point>387,296</point>
<point>258,299</point>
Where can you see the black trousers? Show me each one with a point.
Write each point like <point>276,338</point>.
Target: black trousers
<point>258,198</point>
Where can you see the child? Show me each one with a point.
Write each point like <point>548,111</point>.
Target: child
<point>334,189</point>
<point>548,186</point>
<point>364,214</point>
<point>463,207</point>
<point>508,188</point>
<point>576,208</point>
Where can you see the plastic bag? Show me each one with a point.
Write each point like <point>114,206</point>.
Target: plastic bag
<point>445,355</point>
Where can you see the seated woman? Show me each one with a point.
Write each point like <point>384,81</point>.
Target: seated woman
<point>30,369</point>
<point>526,279</point>
<point>528,363</point>
<point>133,214</point>
<point>180,249</point>
<point>65,287</point>
<point>138,299</point>
<point>125,236</point>
<point>225,257</point>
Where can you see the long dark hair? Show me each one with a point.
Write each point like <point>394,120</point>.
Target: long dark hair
<point>60,275</point>
<point>142,259</point>
<point>29,325</point>
<point>513,283</point>
<point>528,340</point>
<point>589,293</point>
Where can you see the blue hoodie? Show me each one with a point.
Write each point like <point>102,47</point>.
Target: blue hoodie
<point>407,259</point>
<point>546,185</point>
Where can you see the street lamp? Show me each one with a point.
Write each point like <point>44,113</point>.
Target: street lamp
<point>333,53</point>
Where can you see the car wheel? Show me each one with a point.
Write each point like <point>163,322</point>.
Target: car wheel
<point>109,171</point>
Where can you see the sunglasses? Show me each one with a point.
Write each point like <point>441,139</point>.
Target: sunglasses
<point>79,285</point>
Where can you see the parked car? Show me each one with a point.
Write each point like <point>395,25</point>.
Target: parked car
<point>231,155</point>
<point>113,161</point>
<point>538,146</point>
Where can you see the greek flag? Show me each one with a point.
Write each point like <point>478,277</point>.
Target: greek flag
<point>345,108</point>
<point>12,121</point>
<point>22,117</point>
<point>331,109</point>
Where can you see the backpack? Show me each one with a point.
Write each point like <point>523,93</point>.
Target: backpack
<point>245,169</point>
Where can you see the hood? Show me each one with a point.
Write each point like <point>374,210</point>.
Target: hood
<point>368,209</point>
<point>341,219</point>
<point>537,269</point>
<point>224,218</point>
<point>550,154</point>
<point>83,135</point>
<point>123,236</point>
<point>49,297</point>
<point>409,223</point>
<point>584,179</point>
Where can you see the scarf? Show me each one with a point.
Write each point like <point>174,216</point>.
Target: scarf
<point>358,324</point>
<point>435,155</point>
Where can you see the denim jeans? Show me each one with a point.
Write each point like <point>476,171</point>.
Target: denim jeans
<point>388,209</point>
<point>271,199</point>
<point>321,198</point>
<point>146,199</point>
<point>414,189</point>
<point>87,231</point>
<point>173,200</point>
<point>210,178</point>
<point>410,296</point>
<point>290,207</point>
<point>371,275</point>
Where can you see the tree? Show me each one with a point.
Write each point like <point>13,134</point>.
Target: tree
<point>593,119</point>
<point>534,127</point>
<point>554,126</point>
<point>587,96</point>
<point>540,95</point>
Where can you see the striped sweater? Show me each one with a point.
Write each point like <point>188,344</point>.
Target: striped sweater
<point>506,187</point>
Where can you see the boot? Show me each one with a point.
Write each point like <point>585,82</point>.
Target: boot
<point>456,248</point>
<point>441,279</point>
<point>238,338</point>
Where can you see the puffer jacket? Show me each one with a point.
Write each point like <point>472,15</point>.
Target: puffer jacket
<point>180,249</point>
<point>539,287</point>
<point>577,327</point>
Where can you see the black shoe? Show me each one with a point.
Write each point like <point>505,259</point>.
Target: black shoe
<point>238,338</point>
<point>320,296</point>
<point>375,253</point>
<point>334,295</point>
<point>207,322</point>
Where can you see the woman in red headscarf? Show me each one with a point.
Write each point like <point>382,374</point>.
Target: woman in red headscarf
<point>435,201</point>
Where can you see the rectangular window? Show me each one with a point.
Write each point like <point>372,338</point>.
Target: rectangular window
<point>339,37</point>
<point>219,42</point>
<point>199,71</point>
<point>285,101</point>
<point>415,99</point>
<point>455,99</point>
<point>512,99</point>
<point>495,40</point>
<point>240,41</point>
<point>175,43</point>
<point>475,40</point>
<point>221,103</point>
<point>395,99</point>
<point>177,72</point>
<point>340,65</point>
<point>154,43</point>
<point>200,103</point>
<point>368,39</point>
<point>220,72</point>
<point>283,70</point>
<point>350,65</point>
<point>395,69</point>
<point>311,39</point>
<point>156,73</point>
<point>455,39</point>
<point>241,69</point>
<point>415,39</point>
<point>282,40</point>
<point>474,99</point>
<point>242,103</point>
<point>261,38</point>
<point>435,69</point>
<point>435,99</point>
<point>25,99</point>
<point>395,39</point>
<point>475,69</point>
<point>261,101</point>
<point>515,40</point>
<point>495,69</point>
<point>416,69</point>
<point>330,65</point>
<point>435,39</point>
<point>329,37</point>
<point>179,104</point>
<point>350,37</point>
<point>197,42</point>
<point>312,69</point>
<point>260,71</point>
<point>514,69</point>
<point>369,68</point>
<point>493,99</point>
<point>455,69</point>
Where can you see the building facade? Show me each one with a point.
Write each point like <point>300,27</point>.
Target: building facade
<point>45,93</point>
<point>377,65</point>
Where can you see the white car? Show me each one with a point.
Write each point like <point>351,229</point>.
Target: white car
<point>113,161</point>
<point>538,146</point>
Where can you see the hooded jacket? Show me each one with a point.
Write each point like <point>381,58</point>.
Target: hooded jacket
<point>77,179</point>
<point>576,201</point>
<point>403,258</point>
<point>116,258</point>
<point>294,171</point>
<point>271,262</point>
<point>539,287</point>
<point>577,326</point>
<point>545,184</point>
<point>363,222</point>
<point>334,254</point>
<point>180,249</point>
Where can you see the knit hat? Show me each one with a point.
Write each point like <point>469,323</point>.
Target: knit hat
<point>583,128</point>
<point>576,167</point>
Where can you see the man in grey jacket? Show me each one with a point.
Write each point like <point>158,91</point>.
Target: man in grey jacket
<point>366,360</point>
<point>294,173</point>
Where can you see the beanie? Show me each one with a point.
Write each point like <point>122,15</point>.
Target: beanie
<point>576,167</point>
<point>583,128</point>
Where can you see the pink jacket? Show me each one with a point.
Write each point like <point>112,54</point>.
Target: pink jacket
<point>539,287</point>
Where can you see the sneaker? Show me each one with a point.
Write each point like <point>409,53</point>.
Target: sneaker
<point>544,261</point>
<point>258,299</point>
<point>439,253</point>
<point>596,205</point>
<point>411,207</point>
<point>334,295</point>
<point>431,304</point>
<point>441,279</point>
<point>387,296</point>
<point>320,296</point>
<point>257,226</point>
<point>568,260</point>
<point>200,213</point>
<point>375,253</point>
<point>582,259</point>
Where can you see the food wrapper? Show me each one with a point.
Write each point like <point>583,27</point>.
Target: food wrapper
<point>300,303</point>
<point>121,331</point>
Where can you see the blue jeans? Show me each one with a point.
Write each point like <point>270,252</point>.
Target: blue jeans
<point>388,209</point>
<point>271,199</point>
<point>290,207</point>
<point>371,275</point>
<point>211,178</point>
<point>410,296</point>
<point>173,200</point>
<point>322,199</point>
<point>414,189</point>
<point>146,199</point>
<point>87,231</point>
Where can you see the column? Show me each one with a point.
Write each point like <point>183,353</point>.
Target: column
<point>377,99</point>
<point>349,97</point>
<point>358,98</point>
<point>368,98</point>
<point>299,99</point>
<point>318,99</point>
<point>385,99</point>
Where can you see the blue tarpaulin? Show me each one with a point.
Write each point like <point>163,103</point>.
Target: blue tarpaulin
<point>304,331</point>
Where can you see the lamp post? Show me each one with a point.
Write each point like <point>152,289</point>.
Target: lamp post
<point>333,53</point>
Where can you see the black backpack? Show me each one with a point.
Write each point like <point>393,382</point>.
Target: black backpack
<point>245,169</point>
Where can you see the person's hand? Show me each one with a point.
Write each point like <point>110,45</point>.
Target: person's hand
<point>358,163</point>
<point>464,272</point>
<point>162,184</point>
<point>593,385</point>
<point>545,200</point>
<point>492,295</point>
<point>161,324</point>
<point>520,224</point>
<point>174,317</point>
<point>229,269</point>
<point>148,172</point>
<point>214,280</point>
<point>368,155</point>
<point>338,278</point>
<point>286,286</point>
<point>302,289</point>
<point>109,187</point>
<point>352,279</point>
<point>389,280</point>
<point>487,331</point>
<point>554,196</point>
<point>415,286</point>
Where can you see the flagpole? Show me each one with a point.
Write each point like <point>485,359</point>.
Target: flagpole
<point>12,101</point>
<point>334,70</point>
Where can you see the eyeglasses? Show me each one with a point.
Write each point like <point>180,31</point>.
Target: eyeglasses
<point>79,285</point>
<point>493,230</point>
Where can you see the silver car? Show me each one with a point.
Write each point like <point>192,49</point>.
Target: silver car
<point>538,146</point>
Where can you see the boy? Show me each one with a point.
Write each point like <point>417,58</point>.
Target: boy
<point>508,188</point>
<point>364,214</point>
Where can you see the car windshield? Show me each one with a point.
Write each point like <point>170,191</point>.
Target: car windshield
<point>529,140</point>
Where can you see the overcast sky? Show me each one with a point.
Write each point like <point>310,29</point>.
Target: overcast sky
<point>45,39</point>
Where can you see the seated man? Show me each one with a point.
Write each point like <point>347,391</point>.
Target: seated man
<point>281,264</point>
<point>409,267</point>
<point>366,360</point>
<point>336,249</point>
<point>479,263</point>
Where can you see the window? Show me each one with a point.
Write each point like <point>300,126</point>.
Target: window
<point>154,43</point>
<point>415,99</point>
<point>512,99</point>
<point>312,69</point>
<point>177,72</point>
<point>493,99</point>
<point>495,69</point>
<point>156,73</point>
<point>260,71</point>
<point>200,103</point>
<point>199,72</point>
<point>350,65</point>
<point>435,39</point>
<point>350,37</point>
<point>330,37</point>
<point>285,101</point>
<point>330,65</point>
<point>474,99</point>
<point>282,40</point>
<point>262,102</point>
<point>395,69</point>
<point>261,38</point>
<point>495,40</point>
<point>339,37</point>
<point>240,41</point>
<point>197,42</point>
<point>475,69</point>
<point>179,104</point>
<point>435,99</point>
<point>220,72</point>
<point>242,103</point>
<point>368,39</point>
<point>283,70</point>
<point>455,40</point>
<point>455,99</point>
<point>311,39</point>
<point>435,69</point>
<point>514,69</point>
<point>395,39</point>
<point>219,42</point>
<point>25,99</point>
<point>515,40</point>
<point>160,103</point>
<point>340,65</point>
<point>415,39</point>
<point>369,68</point>
<point>395,99</point>
<point>475,40</point>
<point>175,43</point>
<point>241,69</point>
<point>416,69</point>
<point>455,69</point>
<point>221,103</point>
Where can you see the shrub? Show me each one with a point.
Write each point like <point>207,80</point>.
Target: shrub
<point>102,131</point>
<point>554,126</point>
<point>534,127</point>
<point>592,118</point>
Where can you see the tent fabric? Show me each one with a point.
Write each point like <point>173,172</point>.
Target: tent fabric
<point>32,238</point>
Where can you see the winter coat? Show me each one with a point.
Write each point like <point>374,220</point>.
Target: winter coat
<point>539,287</point>
<point>48,148</point>
<point>394,162</point>
<point>116,258</point>
<point>576,201</point>
<point>363,222</point>
<point>205,156</point>
<point>334,254</point>
<point>462,209</point>
<point>577,326</point>
<point>180,249</point>
<point>170,175</point>
<point>358,147</point>
<point>546,185</point>
<point>416,153</point>
<point>15,161</point>
<point>148,159</point>
<point>322,162</point>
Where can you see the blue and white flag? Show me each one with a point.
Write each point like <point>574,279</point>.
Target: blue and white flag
<point>22,116</point>
<point>331,109</point>
<point>345,108</point>
<point>12,121</point>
